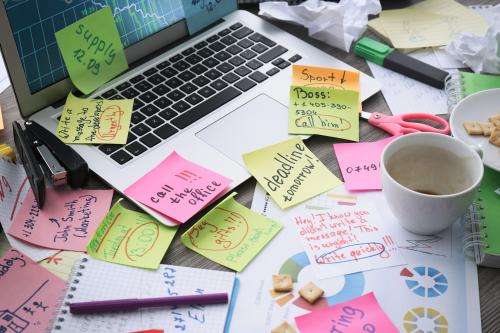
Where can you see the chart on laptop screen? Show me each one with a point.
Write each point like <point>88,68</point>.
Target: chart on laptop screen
<point>34,23</point>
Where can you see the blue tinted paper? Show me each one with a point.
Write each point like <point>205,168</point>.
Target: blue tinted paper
<point>200,13</point>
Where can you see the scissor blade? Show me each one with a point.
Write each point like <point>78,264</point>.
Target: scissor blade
<point>365,115</point>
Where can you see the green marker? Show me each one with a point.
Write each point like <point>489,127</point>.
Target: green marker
<point>392,59</point>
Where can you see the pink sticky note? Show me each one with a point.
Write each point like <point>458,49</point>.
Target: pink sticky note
<point>67,222</point>
<point>362,314</point>
<point>360,163</point>
<point>29,294</point>
<point>178,188</point>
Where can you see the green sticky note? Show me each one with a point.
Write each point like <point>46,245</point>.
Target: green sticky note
<point>130,238</point>
<point>230,234</point>
<point>92,50</point>
<point>290,172</point>
<point>324,111</point>
<point>95,120</point>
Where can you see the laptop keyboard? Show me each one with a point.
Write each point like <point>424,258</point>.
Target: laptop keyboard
<point>177,92</point>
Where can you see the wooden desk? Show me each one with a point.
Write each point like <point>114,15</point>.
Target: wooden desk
<point>322,146</point>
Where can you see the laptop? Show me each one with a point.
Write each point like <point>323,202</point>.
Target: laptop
<point>210,97</point>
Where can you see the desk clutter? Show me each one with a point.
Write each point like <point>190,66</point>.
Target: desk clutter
<point>315,253</point>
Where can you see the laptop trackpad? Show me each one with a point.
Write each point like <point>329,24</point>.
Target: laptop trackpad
<point>258,123</point>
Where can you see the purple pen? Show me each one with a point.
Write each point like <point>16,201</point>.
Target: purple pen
<point>136,303</point>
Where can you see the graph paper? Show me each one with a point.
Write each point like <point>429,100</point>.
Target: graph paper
<point>34,23</point>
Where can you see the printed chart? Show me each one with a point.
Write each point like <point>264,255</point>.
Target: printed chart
<point>425,281</point>
<point>425,320</point>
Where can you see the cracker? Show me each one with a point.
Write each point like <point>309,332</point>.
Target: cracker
<point>282,282</point>
<point>495,120</point>
<point>473,128</point>
<point>495,137</point>
<point>487,128</point>
<point>284,327</point>
<point>311,292</point>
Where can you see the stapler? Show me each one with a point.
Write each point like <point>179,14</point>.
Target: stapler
<point>43,155</point>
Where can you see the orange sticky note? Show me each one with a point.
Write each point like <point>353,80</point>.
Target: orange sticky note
<point>323,77</point>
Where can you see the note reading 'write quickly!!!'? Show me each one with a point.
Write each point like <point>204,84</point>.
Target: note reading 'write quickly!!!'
<point>289,172</point>
<point>348,240</point>
<point>95,120</point>
<point>360,163</point>
<point>130,238</point>
<point>92,50</point>
<point>68,219</point>
<point>201,13</point>
<point>230,234</point>
<point>29,294</point>
<point>361,314</point>
<point>178,188</point>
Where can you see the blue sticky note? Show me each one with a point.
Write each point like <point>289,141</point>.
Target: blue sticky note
<point>201,13</point>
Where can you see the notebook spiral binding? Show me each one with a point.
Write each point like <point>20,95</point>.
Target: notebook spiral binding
<point>64,301</point>
<point>453,89</point>
<point>475,235</point>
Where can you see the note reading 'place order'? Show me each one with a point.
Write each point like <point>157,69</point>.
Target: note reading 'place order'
<point>95,120</point>
<point>178,188</point>
<point>92,50</point>
<point>68,219</point>
<point>230,234</point>
<point>130,238</point>
<point>361,314</point>
<point>289,172</point>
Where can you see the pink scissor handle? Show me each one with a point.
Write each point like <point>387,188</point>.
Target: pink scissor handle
<point>397,125</point>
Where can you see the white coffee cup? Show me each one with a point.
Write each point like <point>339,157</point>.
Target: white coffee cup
<point>429,180</point>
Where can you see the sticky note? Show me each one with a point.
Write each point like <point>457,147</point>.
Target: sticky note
<point>92,50</point>
<point>289,172</point>
<point>361,314</point>
<point>130,238</point>
<point>324,111</point>
<point>201,13</point>
<point>324,77</point>
<point>30,295</point>
<point>61,263</point>
<point>178,188</point>
<point>230,234</point>
<point>95,120</point>
<point>68,219</point>
<point>346,239</point>
<point>360,163</point>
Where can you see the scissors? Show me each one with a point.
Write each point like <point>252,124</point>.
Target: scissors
<point>397,125</point>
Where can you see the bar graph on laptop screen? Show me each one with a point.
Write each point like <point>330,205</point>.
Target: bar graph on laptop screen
<point>34,22</point>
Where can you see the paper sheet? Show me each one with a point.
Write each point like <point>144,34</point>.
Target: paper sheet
<point>200,14</point>
<point>30,294</point>
<point>95,120</point>
<point>290,172</point>
<point>360,163</point>
<point>61,263</point>
<point>230,234</point>
<point>92,50</point>
<point>430,23</point>
<point>4,77</point>
<point>14,186</point>
<point>324,111</point>
<point>405,95</point>
<point>130,238</point>
<point>178,188</point>
<point>335,24</point>
<point>361,314</point>
<point>68,219</point>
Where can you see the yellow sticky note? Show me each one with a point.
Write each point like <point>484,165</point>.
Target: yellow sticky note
<point>324,111</point>
<point>130,238</point>
<point>95,120</point>
<point>230,234</point>
<point>312,76</point>
<point>92,50</point>
<point>61,263</point>
<point>289,172</point>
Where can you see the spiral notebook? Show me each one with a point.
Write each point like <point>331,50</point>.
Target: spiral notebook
<point>462,84</point>
<point>98,280</point>
<point>482,242</point>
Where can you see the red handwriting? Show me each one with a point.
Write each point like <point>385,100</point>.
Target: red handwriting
<point>110,122</point>
<point>4,185</point>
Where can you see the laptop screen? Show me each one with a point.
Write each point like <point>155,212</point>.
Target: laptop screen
<point>34,23</point>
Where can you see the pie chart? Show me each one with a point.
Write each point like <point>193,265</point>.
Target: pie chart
<point>425,281</point>
<point>425,320</point>
<point>354,284</point>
